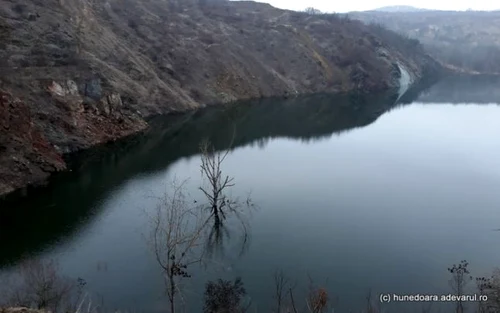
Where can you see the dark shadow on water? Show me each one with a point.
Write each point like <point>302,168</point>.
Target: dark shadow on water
<point>50,215</point>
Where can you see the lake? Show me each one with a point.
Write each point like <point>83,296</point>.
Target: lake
<point>356,192</point>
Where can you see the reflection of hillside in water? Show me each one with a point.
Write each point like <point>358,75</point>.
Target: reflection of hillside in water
<point>72,199</point>
<point>304,118</point>
<point>464,89</point>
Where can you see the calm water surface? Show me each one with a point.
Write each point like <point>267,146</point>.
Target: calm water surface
<point>357,192</point>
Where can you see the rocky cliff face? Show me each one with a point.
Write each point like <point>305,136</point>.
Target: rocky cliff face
<point>25,152</point>
<point>87,71</point>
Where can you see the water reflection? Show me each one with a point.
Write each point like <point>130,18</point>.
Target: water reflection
<point>372,191</point>
<point>217,240</point>
<point>52,214</point>
<point>463,89</point>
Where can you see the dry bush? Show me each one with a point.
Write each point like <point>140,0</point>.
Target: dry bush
<point>317,299</point>
<point>489,287</point>
<point>224,297</point>
<point>39,284</point>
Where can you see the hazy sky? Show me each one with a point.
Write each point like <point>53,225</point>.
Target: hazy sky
<point>360,5</point>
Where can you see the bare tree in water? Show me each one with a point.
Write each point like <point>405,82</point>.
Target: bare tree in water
<point>220,203</point>
<point>180,229</point>
<point>211,162</point>
<point>177,237</point>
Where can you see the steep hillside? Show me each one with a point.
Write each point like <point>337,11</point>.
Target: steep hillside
<point>90,71</point>
<point>464,41</point>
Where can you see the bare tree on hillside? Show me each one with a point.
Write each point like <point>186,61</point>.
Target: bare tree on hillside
<point>312,11</point>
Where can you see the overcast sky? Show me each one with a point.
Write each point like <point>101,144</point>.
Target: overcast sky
<point>360,5</point>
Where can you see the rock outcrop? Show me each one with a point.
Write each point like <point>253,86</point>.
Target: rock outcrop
<point>90,71</point>
<point>28,157</point>
<point>25,152</point>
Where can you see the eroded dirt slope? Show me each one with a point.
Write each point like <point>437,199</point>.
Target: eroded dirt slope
<point>89,71</point>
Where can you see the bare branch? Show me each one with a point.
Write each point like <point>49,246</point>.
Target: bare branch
<point>176,236</point>
<point>293,302</point>
<point>280,283</point>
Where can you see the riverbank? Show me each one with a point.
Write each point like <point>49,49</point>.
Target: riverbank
<point>97,76</point>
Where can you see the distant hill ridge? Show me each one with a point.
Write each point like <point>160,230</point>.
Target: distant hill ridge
<point>400,8</point>
<point>465,41</point>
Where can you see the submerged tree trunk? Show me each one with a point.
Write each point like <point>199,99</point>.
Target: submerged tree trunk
<point>216,216</point>
<point>172,292</point>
